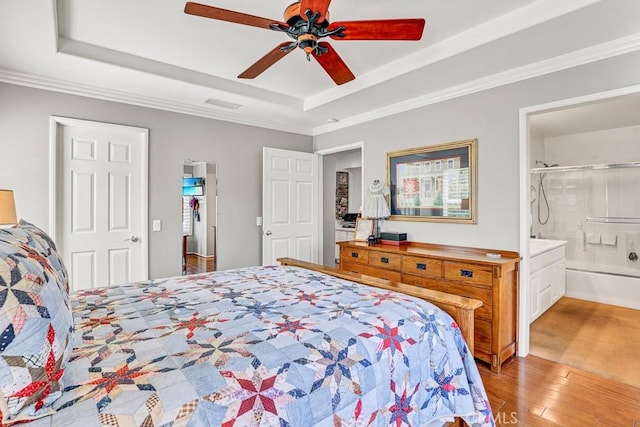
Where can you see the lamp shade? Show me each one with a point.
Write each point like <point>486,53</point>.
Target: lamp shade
<point>7,208</point>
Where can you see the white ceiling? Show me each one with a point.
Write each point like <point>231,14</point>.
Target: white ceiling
<point>623,111</point>
<point>149,52</point>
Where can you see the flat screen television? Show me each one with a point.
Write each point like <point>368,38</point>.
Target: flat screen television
<point>193,186</point>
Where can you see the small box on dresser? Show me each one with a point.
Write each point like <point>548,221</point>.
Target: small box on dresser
<point>393,235</point>
<point>456,270</point>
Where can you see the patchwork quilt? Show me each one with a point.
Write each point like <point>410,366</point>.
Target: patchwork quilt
<point>264,346</point>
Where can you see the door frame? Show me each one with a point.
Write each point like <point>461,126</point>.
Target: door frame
<point>525,153</point>
<point>55,123</point>
<point>322,153</point>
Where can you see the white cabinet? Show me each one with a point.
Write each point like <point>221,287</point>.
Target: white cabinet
<point>534,300</point>
<point>559,281</point>
<point>342,235</point>
<point>547,279</point>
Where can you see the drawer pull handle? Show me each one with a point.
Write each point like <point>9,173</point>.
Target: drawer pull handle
<point>421,266</point>
<point>384,260</point>
<point>466,273</point>
<point>354,254</point>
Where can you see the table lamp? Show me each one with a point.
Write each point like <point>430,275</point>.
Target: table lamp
<point>7,208</point>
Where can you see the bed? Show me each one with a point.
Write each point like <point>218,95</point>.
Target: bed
<point>257,346</point>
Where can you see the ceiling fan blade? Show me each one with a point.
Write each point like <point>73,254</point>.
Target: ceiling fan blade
<point>383,29</point>
<point>205,11</point>
<point>334,65</point>
<point>266,61</point>
<point>320,6</point>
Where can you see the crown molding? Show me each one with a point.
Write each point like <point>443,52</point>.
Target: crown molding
<point>588,55</point>
<point>584,56</point>
<point>56,85</point>
<point>502,26</point>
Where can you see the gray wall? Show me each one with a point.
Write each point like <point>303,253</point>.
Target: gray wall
<point>492,116</point>
<point>329,167</point>
<point>173,137</point>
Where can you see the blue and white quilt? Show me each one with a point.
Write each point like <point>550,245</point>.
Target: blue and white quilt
<point>264,346</point>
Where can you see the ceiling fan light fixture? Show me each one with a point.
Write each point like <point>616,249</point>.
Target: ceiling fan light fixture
<point>221,103</point>
<point>307,22</point>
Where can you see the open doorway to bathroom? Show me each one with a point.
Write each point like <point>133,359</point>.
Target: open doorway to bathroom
<point>583,234</point>
<point>199,216</point>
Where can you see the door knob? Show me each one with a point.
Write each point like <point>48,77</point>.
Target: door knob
<point>268,232</point>
<point>133,239</point>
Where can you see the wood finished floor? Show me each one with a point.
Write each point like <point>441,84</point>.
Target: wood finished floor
<point>197,264</point>
<point>535,392</point>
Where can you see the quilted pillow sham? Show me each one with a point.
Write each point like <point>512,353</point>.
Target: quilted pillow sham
<point>36,238</point>
<point>36,323</point>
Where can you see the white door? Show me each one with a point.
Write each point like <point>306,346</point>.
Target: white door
<point>290,197</point>
<point>100,203</point>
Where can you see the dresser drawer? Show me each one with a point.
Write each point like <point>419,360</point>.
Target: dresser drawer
<point>425,267</point>
<point>394,276</point>
<point>385,260</point>
<point>469,273</point>
<point>476,292</point>
<point>482,293</point>
<point>357,255</point>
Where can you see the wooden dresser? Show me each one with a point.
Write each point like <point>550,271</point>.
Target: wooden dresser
<point>456,270</point>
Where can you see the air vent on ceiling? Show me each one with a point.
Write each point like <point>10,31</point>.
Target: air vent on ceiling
<point>221,103</point>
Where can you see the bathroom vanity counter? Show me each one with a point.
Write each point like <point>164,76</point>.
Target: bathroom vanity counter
<point>538,246</point>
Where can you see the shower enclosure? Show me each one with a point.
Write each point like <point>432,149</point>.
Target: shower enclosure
<point>596,209</point>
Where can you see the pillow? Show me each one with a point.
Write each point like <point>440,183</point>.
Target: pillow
<point>36,323</point>
<point>39,240</point>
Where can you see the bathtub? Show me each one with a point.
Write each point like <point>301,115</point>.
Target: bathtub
<point>606,288</point>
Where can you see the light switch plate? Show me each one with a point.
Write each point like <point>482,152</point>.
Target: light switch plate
<point>157,225</point>
<point>259,221</point>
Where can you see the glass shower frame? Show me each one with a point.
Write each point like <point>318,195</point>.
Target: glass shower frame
<point>596,209</point>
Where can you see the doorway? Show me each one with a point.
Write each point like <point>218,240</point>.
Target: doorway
<point>346,161</point>
<point>529,153</point>
<point>199,216</point>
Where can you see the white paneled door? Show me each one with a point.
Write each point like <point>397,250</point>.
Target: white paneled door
<point>290,197</point>
<point>100,202</point>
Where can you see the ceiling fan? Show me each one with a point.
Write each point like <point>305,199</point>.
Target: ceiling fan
<point>306,22</point>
